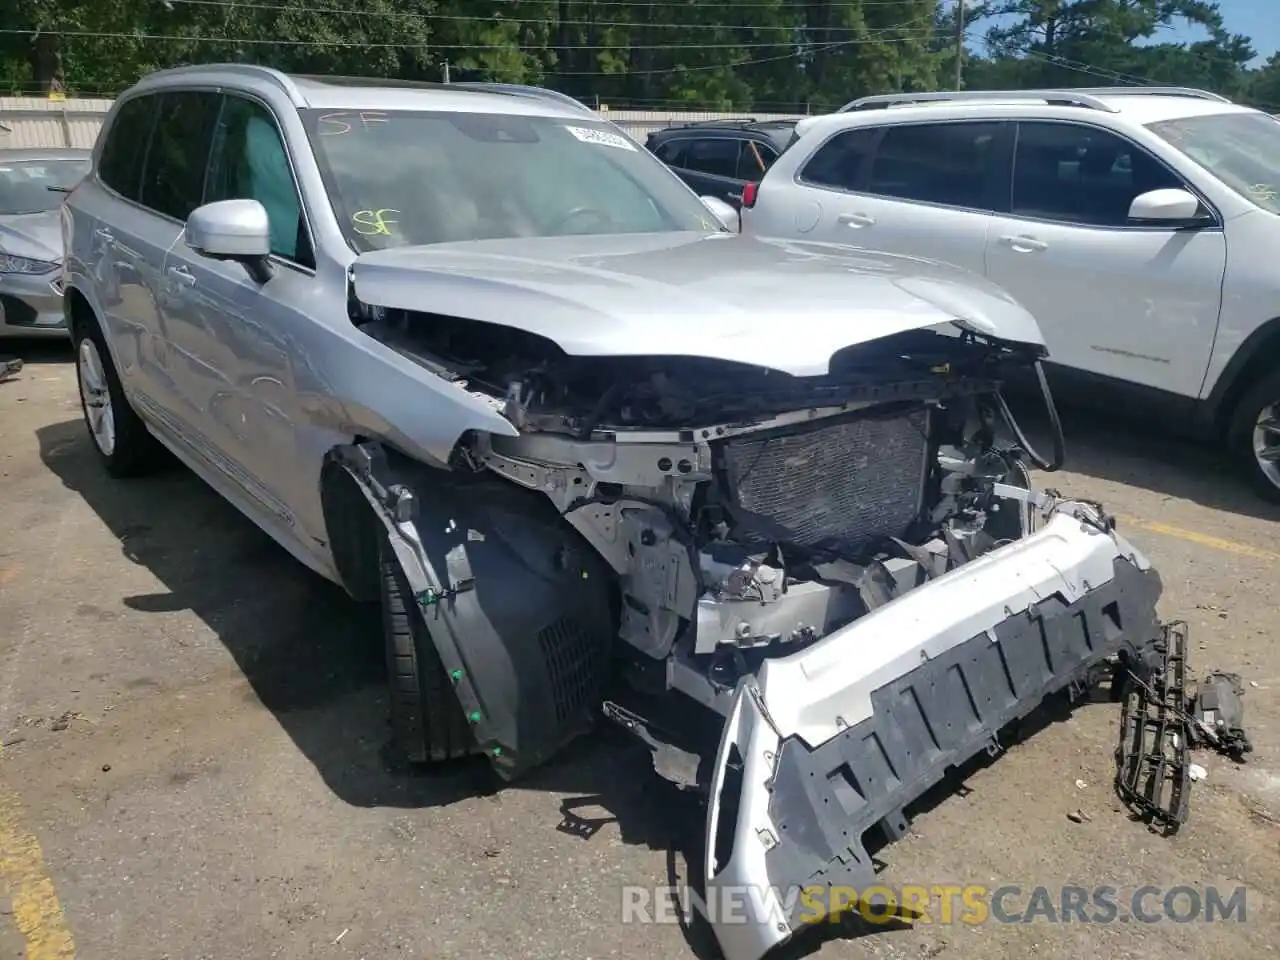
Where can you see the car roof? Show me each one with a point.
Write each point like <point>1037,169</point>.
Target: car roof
<point>365,93</point>
<point>14,154</point>
<point>777,130</point>
<point>1126,108</point>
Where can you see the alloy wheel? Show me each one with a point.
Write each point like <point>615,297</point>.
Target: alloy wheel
<point>97,397</point>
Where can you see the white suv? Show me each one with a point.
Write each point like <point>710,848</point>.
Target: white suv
<point>1139,225</point>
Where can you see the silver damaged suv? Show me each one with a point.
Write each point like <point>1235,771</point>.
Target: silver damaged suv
<point>475,355</point>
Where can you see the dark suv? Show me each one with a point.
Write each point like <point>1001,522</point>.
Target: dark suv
<point>718,157</point>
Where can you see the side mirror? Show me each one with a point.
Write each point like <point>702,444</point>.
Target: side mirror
<point>724,213</point>
<point>236,230</point>
<point>1167,206</point>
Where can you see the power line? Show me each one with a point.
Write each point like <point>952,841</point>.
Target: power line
<point>634,24</point>
<point>1127,79</point>
<point>260,41</point>
<point>796,55</point>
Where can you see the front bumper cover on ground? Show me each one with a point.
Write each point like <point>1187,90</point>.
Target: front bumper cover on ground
<point>837,739</point>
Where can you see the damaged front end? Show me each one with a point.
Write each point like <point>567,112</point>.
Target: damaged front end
<point>828,589</point>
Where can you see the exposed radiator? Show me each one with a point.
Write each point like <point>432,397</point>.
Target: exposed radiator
<point>851,481</point>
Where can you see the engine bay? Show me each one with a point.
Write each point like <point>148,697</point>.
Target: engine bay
<point>744,513</point>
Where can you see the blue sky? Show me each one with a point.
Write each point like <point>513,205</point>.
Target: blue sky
<point>1254,18</point>
<point>1257,19</point>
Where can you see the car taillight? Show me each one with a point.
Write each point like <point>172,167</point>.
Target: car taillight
<point>749,192</point>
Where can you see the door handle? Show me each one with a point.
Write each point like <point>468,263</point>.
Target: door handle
<point>182,275</point>
<point>856,220</point>
<point>735,196</point>
<point>1024,244</point>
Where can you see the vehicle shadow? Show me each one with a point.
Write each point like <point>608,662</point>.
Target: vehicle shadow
<point>314,659</point>
<point>1119,449</point>
<point>312,656</point>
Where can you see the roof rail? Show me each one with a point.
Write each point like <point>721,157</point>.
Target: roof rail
<point>718,122</point>
<point>278,77</point>
<point>1070,98</point>
<point>523,90</point>
<point>1153,91</point>
<point>1086,97</point>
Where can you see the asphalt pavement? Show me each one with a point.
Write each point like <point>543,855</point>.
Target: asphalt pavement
<point>195,761</point>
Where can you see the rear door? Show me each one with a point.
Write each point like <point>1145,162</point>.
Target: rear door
<point>921,189</point>
<point>122,244</point>
<point>710,166</point>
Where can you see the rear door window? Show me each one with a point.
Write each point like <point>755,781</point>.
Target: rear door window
<point>672,152</point>
<point>944,163</point>
<point>173,182</point>
<point>755,159</point>
<point>125,148</point>
<point>717,156</point>
<point>840,161</point>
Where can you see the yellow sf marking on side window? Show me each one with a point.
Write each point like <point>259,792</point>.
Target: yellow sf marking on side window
<point>374,223</point>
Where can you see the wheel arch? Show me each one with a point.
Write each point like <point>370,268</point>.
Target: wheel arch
<point>522,612</point>
<point>78,310</point>
<point>82,312</point>
<point>1259,353</point>
<point>352,531</point>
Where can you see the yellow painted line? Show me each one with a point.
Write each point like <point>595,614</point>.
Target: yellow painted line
<point>36,910</point>
<point>1202,539</point>
<point>9,574</point>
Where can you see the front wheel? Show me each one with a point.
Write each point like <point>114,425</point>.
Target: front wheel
<point>425,713</point>
<point>1254,436</point>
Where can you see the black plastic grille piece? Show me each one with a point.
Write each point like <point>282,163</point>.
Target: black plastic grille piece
<point>573,666</point>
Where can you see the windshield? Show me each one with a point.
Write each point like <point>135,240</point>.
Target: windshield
<point>25,184</point>
<point>1240,149</point>
<point>400,178</point>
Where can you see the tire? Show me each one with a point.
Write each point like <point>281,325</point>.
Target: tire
<point>426,716</point>
<point>123,444</point>
<point>1246,433</point>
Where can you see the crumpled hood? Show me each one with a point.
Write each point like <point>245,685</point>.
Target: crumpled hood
<point>780,304</point>
<point>37,236</point>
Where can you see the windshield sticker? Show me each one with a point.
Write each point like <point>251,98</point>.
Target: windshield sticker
<point>374,223</point>
<point>336,124</point>
<point>1262,191</point>
<point>602,138</point>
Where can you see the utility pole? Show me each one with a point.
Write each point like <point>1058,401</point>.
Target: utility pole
<point>959,43</point>
<point>446,71</point>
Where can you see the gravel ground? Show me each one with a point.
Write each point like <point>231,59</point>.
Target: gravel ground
<point>194,758</point>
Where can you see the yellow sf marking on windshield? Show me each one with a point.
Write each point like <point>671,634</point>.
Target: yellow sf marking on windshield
<point>36,911</point>
<point>374,223</point>
<point>1262,191</point>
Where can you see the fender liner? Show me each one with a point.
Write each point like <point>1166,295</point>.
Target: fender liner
<point>520,610</point>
